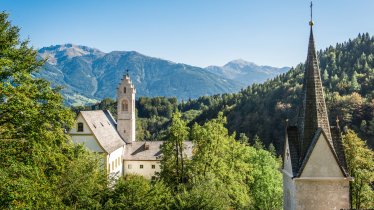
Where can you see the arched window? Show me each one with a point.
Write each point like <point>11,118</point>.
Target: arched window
<point>125,105</point>
<point>80,127</point>
<point>124,89</point>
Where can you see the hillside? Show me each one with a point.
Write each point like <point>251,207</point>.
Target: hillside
<point>262,109</point>
<point>87,74</point>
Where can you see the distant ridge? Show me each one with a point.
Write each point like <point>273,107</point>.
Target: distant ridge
<point>246,72</point>
<point>88,74</point>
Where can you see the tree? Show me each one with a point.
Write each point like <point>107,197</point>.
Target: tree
<point>135,192</point>
<point>360,161</point>
<point>370,127</point>
<point>208,194</point>
<point>325,76</point>
<point>243,138</point>
<point>37,156</point>
<point>173,163</point>
<point>355,86</point>
<point>218,156</point>
<point>266,189</point>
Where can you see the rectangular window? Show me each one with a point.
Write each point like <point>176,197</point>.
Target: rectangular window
<point>80,127</point>
<point>129,166</point>
<point>153,178</point>
<point>141,166</point>
<point>153,166</point>
<point>112,165</point>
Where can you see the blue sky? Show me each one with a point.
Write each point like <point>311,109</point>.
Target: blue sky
<point>196,32</point>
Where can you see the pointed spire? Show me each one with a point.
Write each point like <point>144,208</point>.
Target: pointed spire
<point>314,106</point>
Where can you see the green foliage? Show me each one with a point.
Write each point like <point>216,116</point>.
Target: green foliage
<point>360,161</point>
<point>135,192</point>
<point>237,175</point>
<point>38,161</point>
<point>173,163</point>
<point>207,194</point>
<point>348,78</point>
<point>266,189</point>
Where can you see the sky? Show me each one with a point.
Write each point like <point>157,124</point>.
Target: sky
<point>195,32</point>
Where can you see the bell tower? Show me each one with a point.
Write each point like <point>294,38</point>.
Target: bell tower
<point>126,109</point>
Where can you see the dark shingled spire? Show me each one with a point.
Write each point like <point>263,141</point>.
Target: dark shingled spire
<point>314,113</point>
<point>312,118</point>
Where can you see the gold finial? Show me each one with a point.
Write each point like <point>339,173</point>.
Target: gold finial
<point>311,23</point>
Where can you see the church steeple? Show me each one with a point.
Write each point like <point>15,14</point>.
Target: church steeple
<point>314,167</point>
<point>315,111</point>
<point>126,109</point>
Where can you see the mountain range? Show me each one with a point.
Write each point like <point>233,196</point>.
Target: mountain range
<point>88,74</point>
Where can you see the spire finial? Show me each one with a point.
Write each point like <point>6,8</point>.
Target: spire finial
<point>311,23</point>
<point>127,72</point>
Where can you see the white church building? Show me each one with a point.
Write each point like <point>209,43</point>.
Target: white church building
<point>101,133</point>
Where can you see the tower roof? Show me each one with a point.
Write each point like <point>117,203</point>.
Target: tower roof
<point>313,120</point>
<point>314,106</point>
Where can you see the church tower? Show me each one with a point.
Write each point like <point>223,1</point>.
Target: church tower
<point>314,166</point>
<point>126,109</point>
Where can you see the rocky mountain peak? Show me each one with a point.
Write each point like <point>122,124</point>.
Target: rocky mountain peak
<point>67,51</point>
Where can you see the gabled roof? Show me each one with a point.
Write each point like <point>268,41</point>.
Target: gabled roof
<point>293,142</point>
<point>149,150</point>
<point>299,161</point>
<point>317,135</point>
<point>103,126</point>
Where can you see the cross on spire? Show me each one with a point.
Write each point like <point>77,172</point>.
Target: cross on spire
<point>311,23</point>
<point>127,72</point>
<point>311,10</point>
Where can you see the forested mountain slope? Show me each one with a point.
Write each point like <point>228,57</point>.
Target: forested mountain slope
<point>347,72</point>
<point>261,109</point>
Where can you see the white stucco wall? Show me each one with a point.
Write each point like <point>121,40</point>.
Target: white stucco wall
<point>86,129</point>
<point>321,185</point>
<point>88,141</point>
<point>322,162</point>
<point>86,137</point>
<point>288,183</point>
<point>114,162</point>
<point>287,166</point>
<point>288,192</point>
<point>321,194</point>
<point>146,171</point>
